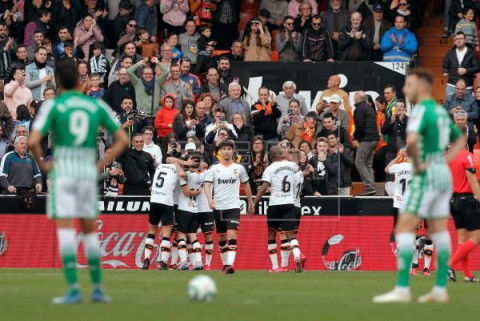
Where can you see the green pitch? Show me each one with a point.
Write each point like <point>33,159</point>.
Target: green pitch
<point>245,296</point>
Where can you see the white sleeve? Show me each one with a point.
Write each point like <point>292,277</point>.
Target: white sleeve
<point>209,176</point>
<point>243,175</point>
<point>267,177</point>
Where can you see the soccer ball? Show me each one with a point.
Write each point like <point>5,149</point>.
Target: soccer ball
<point>202,289</point>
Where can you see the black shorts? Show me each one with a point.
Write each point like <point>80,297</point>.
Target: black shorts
<point>296,216</point>
<point>206,222</point>
<point>161,212</point>
<point>465,212</point>
<point>187,222</point>
<point>280,217</point>
<point>227,220</point>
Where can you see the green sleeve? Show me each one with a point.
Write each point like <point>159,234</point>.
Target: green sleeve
<point>108,118</point>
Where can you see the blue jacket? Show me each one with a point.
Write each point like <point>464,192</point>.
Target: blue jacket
<point>468,104</point>
<point>392,51</point>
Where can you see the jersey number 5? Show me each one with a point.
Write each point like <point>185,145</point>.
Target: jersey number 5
<point>78,126</point>
<point>160,179</point>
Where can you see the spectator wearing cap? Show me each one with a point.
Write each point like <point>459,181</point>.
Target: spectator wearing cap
<point>377,26</point>
<point>365,140</point>
<point>289,93</point>
<point>306,131</point>
<point>220,122</point>
<point>295,7</point>
<point>257,42</point>
<point>335,103</point>
<point>278,10</point>
<point>355,41</point>
<point>399,44</point>
<point>234,103</point>
<point>265,115</point>
<point>317,43</point>
<point>19,170</point>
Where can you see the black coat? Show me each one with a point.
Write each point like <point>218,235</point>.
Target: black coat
<point>266,125</point>
<point>451,65</point>
<point>365,119</point>
<point>139,168</point>
<point>115,93</point>
<point>397,133</point>
<point>339,164</point>
<point>347,44</point>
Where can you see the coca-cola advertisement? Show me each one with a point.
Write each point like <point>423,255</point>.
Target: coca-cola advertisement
<point>342,243</point>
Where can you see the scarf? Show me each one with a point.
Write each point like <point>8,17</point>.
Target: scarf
<point>268,108</point>
<point>308,133</point>
<point>98,65</point>
<point>149,86</point>
<point>40,65</point>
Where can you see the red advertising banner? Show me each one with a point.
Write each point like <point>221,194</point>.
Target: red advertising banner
<point>332,242</point>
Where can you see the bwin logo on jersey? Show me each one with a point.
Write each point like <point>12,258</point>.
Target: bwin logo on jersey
<point>3,243</point>
<point>350,260</point>
<point>227,181</point>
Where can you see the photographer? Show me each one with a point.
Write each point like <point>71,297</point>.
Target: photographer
<point>132,120</point>
<point>148,86</point>
<point>211,132</point>
<point>15,92</point>
<point>112,176</point>
<point>170,147</point>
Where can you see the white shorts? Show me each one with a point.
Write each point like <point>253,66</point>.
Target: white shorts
<point>72,198</point>
<point>427,204</point>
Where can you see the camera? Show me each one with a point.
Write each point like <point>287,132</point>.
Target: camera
<point>221,118</point>
<point>100,134</point>
<point>135,115</point>
<point>289,112</point>
<point>173,143</point>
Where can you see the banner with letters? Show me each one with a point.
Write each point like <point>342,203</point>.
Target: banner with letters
<point>311,78</point>
<point>335,234</point>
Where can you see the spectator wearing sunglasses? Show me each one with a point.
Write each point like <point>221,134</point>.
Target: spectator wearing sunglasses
<point>316,43</point>
<point>288,41</point>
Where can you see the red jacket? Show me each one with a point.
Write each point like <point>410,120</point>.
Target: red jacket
<point>164,118</point>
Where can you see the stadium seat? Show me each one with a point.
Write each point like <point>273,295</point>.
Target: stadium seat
<point>274,37</point>
<point>249,6</point>
<point>220,52</point>
<point>245,18</point>
<point>274,55</point>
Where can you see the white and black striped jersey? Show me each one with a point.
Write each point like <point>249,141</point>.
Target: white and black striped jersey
<point>226,184</point>
<point>164,183</point>
<point>297,188</point>
<point>202,201</point>
<point>193,182</point>
<point>280,176</point>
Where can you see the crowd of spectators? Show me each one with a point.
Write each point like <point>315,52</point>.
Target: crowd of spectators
<point>155,63</point>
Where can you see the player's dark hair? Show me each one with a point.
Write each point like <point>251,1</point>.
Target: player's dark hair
<point>422,74</point>
<point>66,74</point>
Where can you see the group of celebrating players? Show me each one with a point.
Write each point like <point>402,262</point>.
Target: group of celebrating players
<point>185,198</point>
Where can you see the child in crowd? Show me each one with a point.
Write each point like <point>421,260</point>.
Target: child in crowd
<point>95,90</point>
<point>205,49</point>
<point>468,27</point>
<point>99,64</point>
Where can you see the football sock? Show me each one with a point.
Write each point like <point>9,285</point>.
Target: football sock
<point>295,249</point>
<point>466,268</point>
<point>462,252</point>
<point>272,251</point>
<point>208,252</point>
<point>222,247</point>
<point>174,253</point>
<point>231,251</point>
<point>182,251</point>
<point>417,252</point>
<point>427,253</point>
<point>149,241</point>
<point>191,259</point>
<point>406,247</point>
<point>197,253</point>
<point>92,252</point>
<point>66,240</point>
<point>165,248</point>
<point>285,252</point>
<point>443,244</point>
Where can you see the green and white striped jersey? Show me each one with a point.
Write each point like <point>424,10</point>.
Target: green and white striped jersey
<point>435,131</point>
<point>73,120</point>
